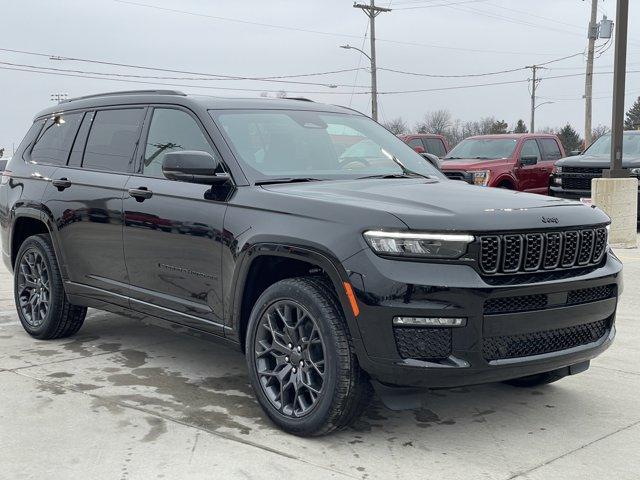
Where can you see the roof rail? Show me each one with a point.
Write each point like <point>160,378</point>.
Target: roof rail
<point>128,92</point>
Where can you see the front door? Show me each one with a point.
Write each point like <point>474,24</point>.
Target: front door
<point>173,230</point>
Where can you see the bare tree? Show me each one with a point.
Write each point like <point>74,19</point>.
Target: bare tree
<point>599,131</point>
<point>397,126</point>
<point>438,122</point>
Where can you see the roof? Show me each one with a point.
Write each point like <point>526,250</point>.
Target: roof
<point>195,102</point>
<point>421,135</point>
<point>515,135</point>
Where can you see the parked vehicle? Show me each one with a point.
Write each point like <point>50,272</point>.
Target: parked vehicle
<point>333,273</point>
<point>572,175</point>
<point>3,163</point>
<point>432,147</point>
<point>522,162</point>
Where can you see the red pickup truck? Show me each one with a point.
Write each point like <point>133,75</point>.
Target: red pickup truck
<point>426,143</point>
<point>522,161</point>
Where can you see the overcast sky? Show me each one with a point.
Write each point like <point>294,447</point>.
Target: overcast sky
<point>286,37</point>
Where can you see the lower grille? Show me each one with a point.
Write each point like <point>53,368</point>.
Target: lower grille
<point>526,303</point>
<point>537,343</point>
<point>423,343</point>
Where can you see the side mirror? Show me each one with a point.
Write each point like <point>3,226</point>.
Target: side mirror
<point>573,153</point>
<point>419,149</point>
<point>433,159</point>
<point>528,160</point>
<point>192,166</point>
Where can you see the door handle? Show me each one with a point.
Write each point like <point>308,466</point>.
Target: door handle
<point>61,183</point>
<point>140,194</point>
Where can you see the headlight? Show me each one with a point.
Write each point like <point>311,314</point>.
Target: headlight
<point>635,171</point>
<point>480,177</point>
<point>410,244</point>
<point>557,169</point>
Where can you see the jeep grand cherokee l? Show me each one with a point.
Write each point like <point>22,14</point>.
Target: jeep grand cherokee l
<point>572,175</point>
<point>238,217</point>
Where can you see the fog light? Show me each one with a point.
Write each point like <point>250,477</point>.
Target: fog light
<point>557,180</point>
<point>430,321</point>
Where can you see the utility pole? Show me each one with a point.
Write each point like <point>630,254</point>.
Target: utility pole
<point>534,84</point>
<point>588,82</point>
<point>619,73</point>
<point>372,12</point>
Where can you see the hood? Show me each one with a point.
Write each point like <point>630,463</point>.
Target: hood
<point>444,205</point>
<point>598,161</point>
<point>471,163</point>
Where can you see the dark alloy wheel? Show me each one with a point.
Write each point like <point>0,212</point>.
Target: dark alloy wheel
<point>290,355</point>
<point>43,307</point>
<point>33,287</point>
<point>301,361</point>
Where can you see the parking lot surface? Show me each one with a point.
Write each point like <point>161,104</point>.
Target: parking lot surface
<point>130,399</point>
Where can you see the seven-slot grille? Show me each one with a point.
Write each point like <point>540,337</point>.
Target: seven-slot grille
<point>530,252</point>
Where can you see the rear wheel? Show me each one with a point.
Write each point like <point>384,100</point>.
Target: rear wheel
<point>43,307</point>
<point>301,362</point>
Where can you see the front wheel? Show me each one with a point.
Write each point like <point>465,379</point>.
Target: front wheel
<point>301,362</point>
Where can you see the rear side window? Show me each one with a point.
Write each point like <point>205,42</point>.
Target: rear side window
<point>415,142</point>
<point>54,142</point>
<point>171,130</point>
<point>31,135</point>
<point>112,139</point>
<point>550,149</point>
<point>435,146</point>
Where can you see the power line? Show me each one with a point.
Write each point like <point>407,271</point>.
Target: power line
<point>440,4</point>
<point>321,32</point>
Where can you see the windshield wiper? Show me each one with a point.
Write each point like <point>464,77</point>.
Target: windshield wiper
<point>392,175</point>
<point>288,180</point>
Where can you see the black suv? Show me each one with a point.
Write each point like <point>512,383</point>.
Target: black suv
<point>258,221</point>
<point>572,176</point>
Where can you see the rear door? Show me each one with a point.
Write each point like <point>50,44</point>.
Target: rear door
<point>551,153</point>
<point>173,239</point>
<point>85,199</point>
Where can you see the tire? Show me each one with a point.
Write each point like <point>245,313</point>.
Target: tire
<point>538,379</point>
<point>345,388</point>
<point>54,316</point>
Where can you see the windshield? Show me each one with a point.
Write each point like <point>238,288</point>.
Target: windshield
<point>483,148</point>
<point>293,144</point>
<point>602,146</point>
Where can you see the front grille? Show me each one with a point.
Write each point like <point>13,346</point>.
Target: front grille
<point>537,343</point>
<point>423,343</point>
<point>576,183</point>
<point>579,178</point>
<point>452,175</point>
<point>586,170</point>
<point>531,252</point>
<point>540,301</point>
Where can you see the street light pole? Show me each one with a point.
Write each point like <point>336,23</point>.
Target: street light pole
<point>372,12</point>
<point>588,82</point>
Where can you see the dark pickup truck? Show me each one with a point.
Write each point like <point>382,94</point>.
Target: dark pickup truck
<point>572,176</point>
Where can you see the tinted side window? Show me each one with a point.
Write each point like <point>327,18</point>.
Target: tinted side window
<point>54,142</point>
<point>112,139</point>
<point>75,158</point>
<point>435,146</point>
<point>31,135</point>
<point>550,149</point>
<point>530,149</point>
<point>171,130</point>
<point>415,142</point>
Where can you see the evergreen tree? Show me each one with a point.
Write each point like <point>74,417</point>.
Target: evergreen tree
<point>521,127</point>
<point>569,138</point>
<point>632,122</point>
<point>498,126</point>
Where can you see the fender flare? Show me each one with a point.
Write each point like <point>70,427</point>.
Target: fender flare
<point>329,264</point>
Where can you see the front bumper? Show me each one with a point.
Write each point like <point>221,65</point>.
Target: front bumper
<point>492,346</point>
